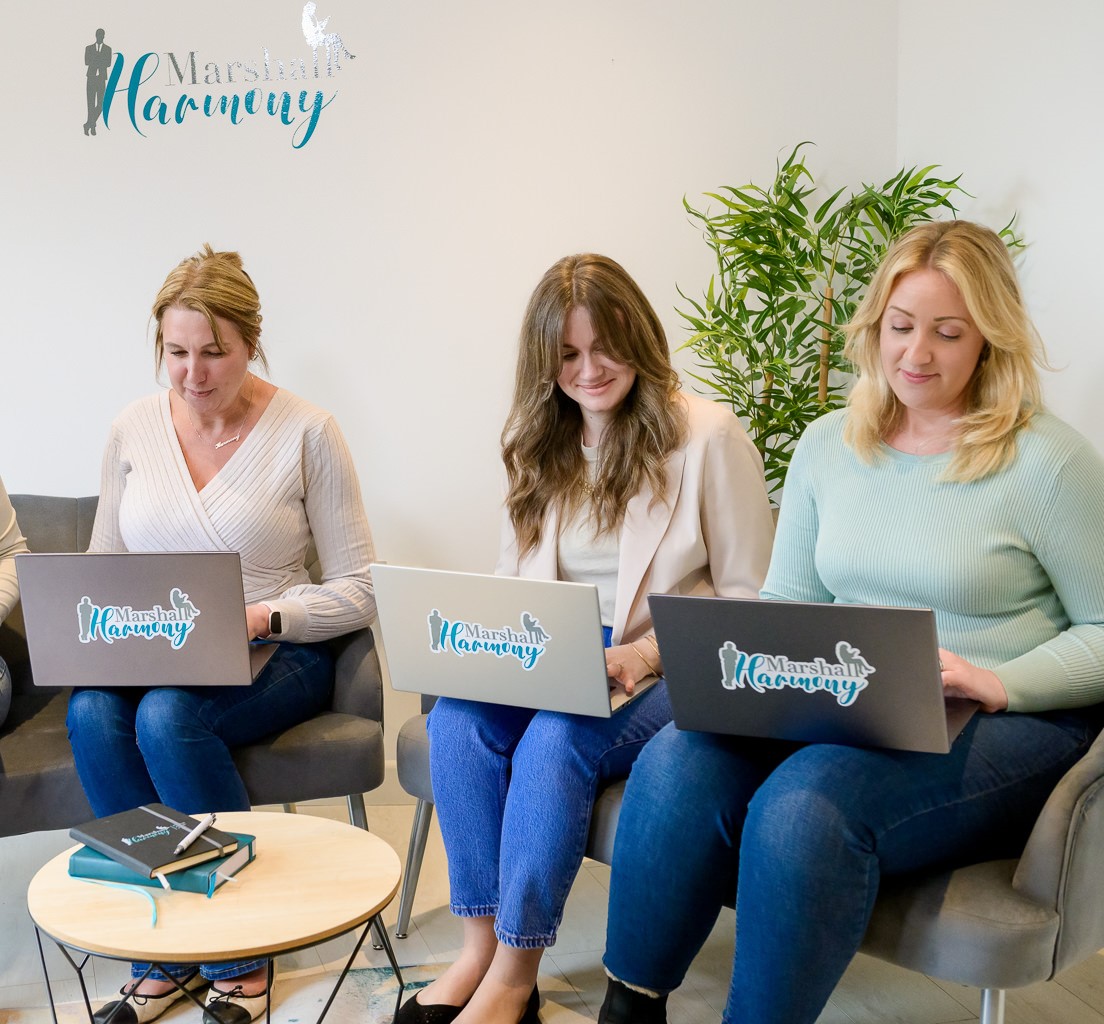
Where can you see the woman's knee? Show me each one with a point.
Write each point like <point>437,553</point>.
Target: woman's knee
<point>97,711</point>
<point>163,715</point>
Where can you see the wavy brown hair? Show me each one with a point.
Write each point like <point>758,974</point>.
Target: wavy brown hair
<point>542,439</point>
<point>216,285</point>
<point>1004,392</point>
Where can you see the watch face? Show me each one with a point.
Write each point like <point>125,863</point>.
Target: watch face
<point>274,623</point>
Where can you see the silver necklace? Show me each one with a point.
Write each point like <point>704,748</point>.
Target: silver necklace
<point>230,440</point>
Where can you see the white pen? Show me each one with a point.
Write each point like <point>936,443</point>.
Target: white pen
<point>196,832</point>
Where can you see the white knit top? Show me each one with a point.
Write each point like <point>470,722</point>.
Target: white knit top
<point>291,479</point>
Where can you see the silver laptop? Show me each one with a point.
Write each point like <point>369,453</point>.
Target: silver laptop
<point>822,673</point>
<point>137,619</point>
<point>498,639</point>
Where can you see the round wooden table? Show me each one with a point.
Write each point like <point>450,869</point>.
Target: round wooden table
<point>312,879</point>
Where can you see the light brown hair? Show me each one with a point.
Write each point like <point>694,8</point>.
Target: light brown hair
<point>542,438</point>
<point>216,285</point>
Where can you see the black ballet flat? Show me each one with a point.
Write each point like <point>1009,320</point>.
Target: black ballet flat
<point>624,1006</point>
<point>413,1012</point>
<point>530,1016</point>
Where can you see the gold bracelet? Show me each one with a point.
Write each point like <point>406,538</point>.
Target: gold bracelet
<point>650,637</point>
<point>643,658</point>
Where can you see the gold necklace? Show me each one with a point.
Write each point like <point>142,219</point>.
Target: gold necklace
<point>230,440</point>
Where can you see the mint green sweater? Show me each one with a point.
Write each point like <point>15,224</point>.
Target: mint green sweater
<point>1012,565</point>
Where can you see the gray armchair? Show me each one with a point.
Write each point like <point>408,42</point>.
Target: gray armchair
<point>337,753</point>
<point>995,925</point>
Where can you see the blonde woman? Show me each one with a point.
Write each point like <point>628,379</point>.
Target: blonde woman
<point>618,479</point>
<point>222,460</point>
<point>944,485</point>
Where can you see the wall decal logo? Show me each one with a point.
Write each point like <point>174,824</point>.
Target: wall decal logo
<point>459,637</point>
<point>845,679</point>
<point>246,89</point>
<point>114,622</point>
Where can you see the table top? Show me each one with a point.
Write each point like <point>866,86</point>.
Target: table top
<point>312,879</point>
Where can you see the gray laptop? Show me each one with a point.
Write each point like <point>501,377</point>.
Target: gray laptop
<point>822,673</point>
<point>498,639</point>
<point>137,619</point>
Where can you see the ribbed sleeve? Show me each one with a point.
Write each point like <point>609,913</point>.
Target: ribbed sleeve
<point>11,544</point>
<point>291,480</point>
<point>1012,565</point>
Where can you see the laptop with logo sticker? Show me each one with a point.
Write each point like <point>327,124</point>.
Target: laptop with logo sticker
<point>499,639</point>
<point>821,673</point>
<point>137,619</point>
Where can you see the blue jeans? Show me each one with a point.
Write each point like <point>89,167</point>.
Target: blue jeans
<point>514,790</point>
<point>798,838</point>
<point>172,745</point>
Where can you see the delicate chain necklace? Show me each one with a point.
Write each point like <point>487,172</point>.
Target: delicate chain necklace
<point>230,440</point>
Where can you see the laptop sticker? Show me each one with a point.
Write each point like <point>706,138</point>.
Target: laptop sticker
<point>121,622</point>
<point>845,679</point>
<point>460,637</point>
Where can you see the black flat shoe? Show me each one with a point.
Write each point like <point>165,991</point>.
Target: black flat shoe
<point>530,1016</point>
<point>413,1012</point>
<point>624,1006</point>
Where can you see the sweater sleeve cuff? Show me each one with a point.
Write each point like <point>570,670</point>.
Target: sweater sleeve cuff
<point>294,618</point>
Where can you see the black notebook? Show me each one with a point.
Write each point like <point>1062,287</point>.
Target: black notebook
<point>144,839</point>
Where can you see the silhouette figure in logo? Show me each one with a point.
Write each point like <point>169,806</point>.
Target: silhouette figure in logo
<point>84,617</point>
<point>97,58</point>
<point>852,660</point>
<point>182,604</point>
<point>436,624</point>
<point>533,628</point>
<point>727,655</point>
<point>314,31</point>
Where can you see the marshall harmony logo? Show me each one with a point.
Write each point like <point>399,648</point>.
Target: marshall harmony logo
<point>459,637</point>
<point>154,89</point>
<point>845,679</point>
<point>114,622</point>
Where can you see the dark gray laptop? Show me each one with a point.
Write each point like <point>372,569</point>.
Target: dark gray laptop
<point>499,639</point>
<point>822,673</point>
<point>137,619</point>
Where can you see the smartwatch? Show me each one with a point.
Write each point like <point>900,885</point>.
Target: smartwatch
<point>275,624</point>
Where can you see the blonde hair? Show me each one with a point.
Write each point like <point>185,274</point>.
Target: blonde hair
<point>216,285</point>
<point>1004,391</point>
<point>542,438</point>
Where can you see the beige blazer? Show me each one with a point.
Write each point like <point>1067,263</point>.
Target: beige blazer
<point>711,533</point>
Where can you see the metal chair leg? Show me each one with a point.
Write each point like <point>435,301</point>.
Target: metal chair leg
<point>992,1006</point>
<point>419,832</point>
<point>357,814</point>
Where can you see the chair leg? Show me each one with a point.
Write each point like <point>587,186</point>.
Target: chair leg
<point>419,832</point>
<point>992,1006</point>
<point>357,814</point>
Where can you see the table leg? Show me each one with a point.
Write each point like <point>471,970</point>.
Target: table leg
<point>79,968</point>
<point>377,924</point>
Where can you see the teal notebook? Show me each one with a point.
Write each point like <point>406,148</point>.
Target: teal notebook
<point>203,878</point>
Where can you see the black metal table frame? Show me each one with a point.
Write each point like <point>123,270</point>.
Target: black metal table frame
<point>374,922</point>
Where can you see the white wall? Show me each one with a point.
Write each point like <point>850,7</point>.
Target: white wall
<point>469,146</point>
<point>1009,92</point>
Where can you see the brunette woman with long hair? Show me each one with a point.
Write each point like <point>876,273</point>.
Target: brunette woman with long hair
<point>616,478</point>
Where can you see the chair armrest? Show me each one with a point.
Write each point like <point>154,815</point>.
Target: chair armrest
<point>1060,865</point>
<point>358,681</point>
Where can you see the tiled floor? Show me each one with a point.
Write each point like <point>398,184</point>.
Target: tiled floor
<point>572,981</point>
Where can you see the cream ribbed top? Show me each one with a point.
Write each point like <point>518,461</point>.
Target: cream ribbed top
<point>291,479</point>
